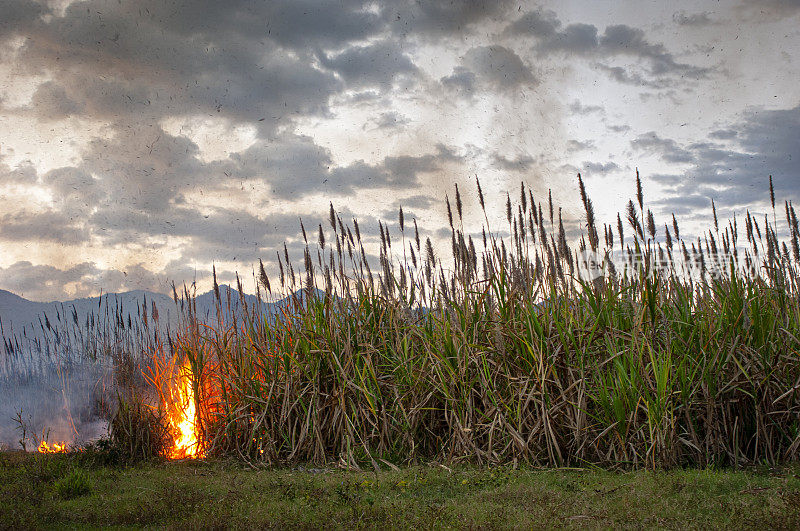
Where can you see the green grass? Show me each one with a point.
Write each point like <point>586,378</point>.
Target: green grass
<point>215,494</point>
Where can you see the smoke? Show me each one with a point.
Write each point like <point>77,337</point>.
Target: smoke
<point>59,381</point>
<point>56,404</point>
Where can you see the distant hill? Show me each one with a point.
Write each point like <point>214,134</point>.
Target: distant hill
<point>20,317</point>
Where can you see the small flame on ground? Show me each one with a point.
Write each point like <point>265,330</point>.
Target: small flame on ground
<point>184,419</point>
<point>56,448</point>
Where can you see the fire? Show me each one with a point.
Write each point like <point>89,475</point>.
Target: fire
<point>56,448</point>
<point>184,418</point>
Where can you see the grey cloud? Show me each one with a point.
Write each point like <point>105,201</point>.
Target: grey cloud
<point>735,174</point>
<point>399,173</point>
<point>441,17</point>
<point>75,189</point>
<point>772,7</point>
<point>668,149</point>
<point>120,62</point>
<point>448,153</point>
<point>294,166</point>
<point>301,23</point>
<point>415,201</point>
<point>616,40</point>
<point>576,107</point>
<point>494,67</point>
<point>19,15</point>
<point>135,184</point>
<point>223,226</point>
<point>774,134</point>
<point>143,166</point>
<point>48,225</point>
<point>619,128</point>
<point>138,277</point>
<point>225,59</point>
<point>682,18</point>
<point>519,163</point>
<point>23,173</point>
<point>407,167</point>
<point>390,120</point>
<point>376,64</point>
<point>273,88</point>
<point>365,97</point>
<point>669,94</point>
<point>290,166</point>
<point>599,168</point>
<point>142,170</point>
<point>283,158</point>
<point>51,102</point>
<point>295,23</point>
<point>622,39</point>
<point>543,24</point>
<point>360,175</point>
<point>626,77</point>
<point>226,235</point>
<point>575,38</point>
<point>723,134</point>
<point>43,282</point>
<point>576,145</point>
<point>442,233</point>
<point>461,79</point>
<point>688,205</point>
<point>222,234</point>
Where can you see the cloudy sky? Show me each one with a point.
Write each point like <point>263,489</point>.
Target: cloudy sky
<point>142,141</point>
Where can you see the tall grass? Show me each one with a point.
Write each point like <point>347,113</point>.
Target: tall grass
<point>507,353</point>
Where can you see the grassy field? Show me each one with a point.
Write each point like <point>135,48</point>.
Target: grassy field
<point>74,490</point>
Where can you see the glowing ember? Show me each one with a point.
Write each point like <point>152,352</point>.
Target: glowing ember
<point>56,448</point>
<point>184,418</point>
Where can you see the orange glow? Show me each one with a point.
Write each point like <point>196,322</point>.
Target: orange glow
<point>189,391</point>
<point>56,448</point>
<point>184,418</point>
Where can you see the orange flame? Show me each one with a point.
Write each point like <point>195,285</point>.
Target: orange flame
<point>184,418</point>
<point>45,448</point>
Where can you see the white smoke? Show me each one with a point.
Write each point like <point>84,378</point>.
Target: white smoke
<point>55,405</point>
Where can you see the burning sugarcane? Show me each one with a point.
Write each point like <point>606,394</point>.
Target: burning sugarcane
<point>184,418</point>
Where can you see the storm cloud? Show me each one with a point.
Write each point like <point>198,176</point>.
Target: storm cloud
<point>733,166</point>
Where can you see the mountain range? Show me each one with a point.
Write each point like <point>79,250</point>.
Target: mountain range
<point>20,317</point>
